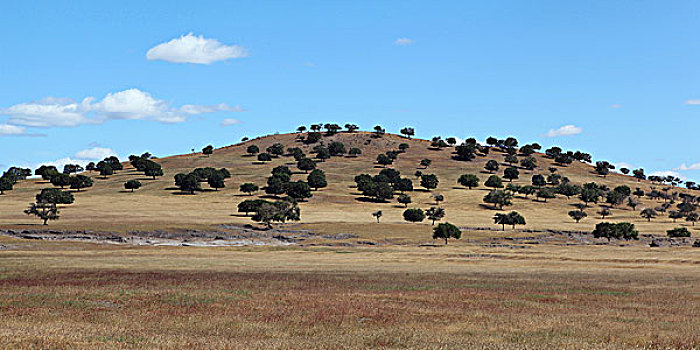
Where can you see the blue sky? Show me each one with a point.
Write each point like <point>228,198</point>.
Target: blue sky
<point>77,80</point>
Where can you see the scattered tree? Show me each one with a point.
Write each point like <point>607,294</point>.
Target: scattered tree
<point>6,184</point>
<point>79,182</point>
<point>435,214</point>
<point>317,179</point>
<point>264,157</point>
<point>377,214</point>
<point>306,164</point>
<point>189,183</point>
<point>675,215</point>
<point>298,190</point>
<point>678,232</point>
<point>468,180</point>
<point>408,132</point>
<point>445,231</point>
<point>384,160</point>
<point>545,193</point>
<point>132,185</point>
<point>494,181</point>
<point>529,163</point>
<point>648,214</point>
<point>491,166</point>
<point>577,215</point>
<point>279,211</point>
<point>250,205</point>
<point>511,173</point>
<point>249,188</point>
<point>404,199</point>
<point>414,215</point>
<point>44,211</point>
<point>538,180</point>
<point>54,196</point>
<point>603,168</point>
<point>623,230</point>
<point>61,180</point>
<point>253,150</point>
<point>207,151</point>
<point>513,218</point>
<point>216,181</point>
<point>499,198</point>
<point>354,152</point>
<point>429,181</point>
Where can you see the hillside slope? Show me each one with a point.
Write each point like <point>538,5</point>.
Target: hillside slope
<point>159,205</point>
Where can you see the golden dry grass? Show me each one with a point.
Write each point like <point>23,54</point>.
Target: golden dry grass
<point>106,207</point>
<point>86,296</point>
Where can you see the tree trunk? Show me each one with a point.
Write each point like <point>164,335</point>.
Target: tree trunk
<point>503,227</point>
<point>445,240</point>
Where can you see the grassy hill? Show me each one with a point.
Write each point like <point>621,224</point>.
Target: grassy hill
<point>158,205</point>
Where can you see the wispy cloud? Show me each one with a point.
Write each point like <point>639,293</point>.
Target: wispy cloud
<point>6,130</point>
<point>685,167</point>
<point>195,49</point>
<point>566,130</point>
<point>692,102</point>
<point>403,41</point>
<point>230,121</point>
<point>617,105</point>
<point>14,130</point>
<point>132,104</point>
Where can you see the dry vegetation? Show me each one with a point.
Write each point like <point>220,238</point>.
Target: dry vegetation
<point>159,205</point>
<point>84,296</point>
<point>482,292</point>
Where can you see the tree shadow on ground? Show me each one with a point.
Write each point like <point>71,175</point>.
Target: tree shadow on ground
<point>369,200</point>
<point>489,207</point>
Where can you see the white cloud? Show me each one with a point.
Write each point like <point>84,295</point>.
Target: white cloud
<point>230,121</point>
<point>95,153</point>
<point>616,106</point>
<point>127,104</point>
<point>49,111</point>
<point>195,49</point>
<point>685,167</point>
<point>692,102</point>
<point>403,41</point>
<point>198,109</point>
<point>6,130</point>
<point>566,130</point>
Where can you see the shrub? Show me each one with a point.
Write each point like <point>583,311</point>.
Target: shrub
<point>622,230</point>
<point>678,232</point>
<point>414,215</point>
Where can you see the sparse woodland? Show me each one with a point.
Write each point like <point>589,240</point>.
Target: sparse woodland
<point>333,173</point>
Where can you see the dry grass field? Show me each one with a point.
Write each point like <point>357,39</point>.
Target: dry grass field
<point>59,295</point>
<point>402,290</point>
